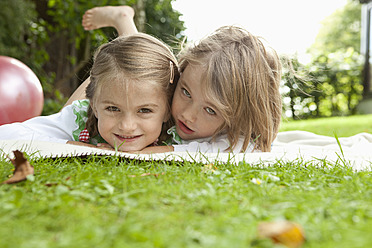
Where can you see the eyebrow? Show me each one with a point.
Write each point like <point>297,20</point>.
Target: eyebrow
<point>147,105</point>
<point>210,104</point>
<point>184,84</point>
<point>108,102</point>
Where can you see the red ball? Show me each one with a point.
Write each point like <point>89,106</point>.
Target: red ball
<point>21,94</point>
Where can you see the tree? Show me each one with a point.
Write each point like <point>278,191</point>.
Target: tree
<point>334,86</point>
<point>22,35</point>
<point>340,31</point>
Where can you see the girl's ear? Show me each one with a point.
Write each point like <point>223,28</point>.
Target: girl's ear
<point>94,110</point>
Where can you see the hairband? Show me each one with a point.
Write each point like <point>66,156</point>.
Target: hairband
<point>171,72</point>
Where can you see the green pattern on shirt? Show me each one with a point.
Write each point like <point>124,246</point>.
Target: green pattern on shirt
<point>175,139</point>
<point>80,109</point>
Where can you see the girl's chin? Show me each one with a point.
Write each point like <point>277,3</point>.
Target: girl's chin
<point>129,149</point>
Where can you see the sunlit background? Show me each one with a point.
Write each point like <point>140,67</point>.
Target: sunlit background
<point>289,26</point>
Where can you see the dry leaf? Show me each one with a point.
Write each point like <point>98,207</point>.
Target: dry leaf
<point>286,233</point>
<point>22,168</point>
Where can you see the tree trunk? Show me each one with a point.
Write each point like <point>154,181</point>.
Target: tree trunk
<point>140,17</point>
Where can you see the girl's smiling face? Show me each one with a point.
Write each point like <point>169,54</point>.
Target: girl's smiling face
<point>195,116</point>
<point>130,114</point>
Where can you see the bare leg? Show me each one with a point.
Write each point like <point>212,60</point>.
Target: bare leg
<point>119,17</point>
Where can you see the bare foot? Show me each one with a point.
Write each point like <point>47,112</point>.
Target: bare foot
<point>119,17</point>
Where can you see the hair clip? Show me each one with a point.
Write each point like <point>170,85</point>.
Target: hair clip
<point>171,72</point>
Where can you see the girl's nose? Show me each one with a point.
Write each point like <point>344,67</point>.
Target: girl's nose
<point>190,113</point>
<point>128,124</point>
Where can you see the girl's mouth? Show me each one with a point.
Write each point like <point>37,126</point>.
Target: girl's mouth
<point>128,138</point>
<point>184,128</point>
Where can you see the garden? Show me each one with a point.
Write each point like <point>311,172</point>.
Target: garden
<point>116,201</point>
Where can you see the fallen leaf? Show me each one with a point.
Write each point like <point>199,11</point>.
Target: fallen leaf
<point>22,168</point>
<point>287,233</point>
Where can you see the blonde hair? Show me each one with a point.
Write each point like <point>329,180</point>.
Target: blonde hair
<point>139,57</point>
<point>242,79</point>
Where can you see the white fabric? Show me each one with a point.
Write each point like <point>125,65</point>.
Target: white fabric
<point>53,128</point>
<point>305,147</point>
<point>219,145</point>
<point>290,140</point>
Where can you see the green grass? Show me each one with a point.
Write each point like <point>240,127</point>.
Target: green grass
<point>343,126</point>
<point>105,202</point>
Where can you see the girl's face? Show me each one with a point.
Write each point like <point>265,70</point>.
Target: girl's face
<point>130,115</point>
<point>194,115</point>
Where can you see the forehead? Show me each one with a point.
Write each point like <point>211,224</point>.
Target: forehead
<point>132,90</point>
<point>194,78</point>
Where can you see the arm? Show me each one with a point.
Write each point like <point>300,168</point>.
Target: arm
<point>78,143</point>
<point>156,149</point>
<point>53,128</point>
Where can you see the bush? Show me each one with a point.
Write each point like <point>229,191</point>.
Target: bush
<point>334,86</point>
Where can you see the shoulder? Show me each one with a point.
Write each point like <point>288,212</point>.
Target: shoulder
<point>80,105</point>
<point>174,137</point>
<point>80,111</point>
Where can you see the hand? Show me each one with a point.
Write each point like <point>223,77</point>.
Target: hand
<point>155,149</point>
<point>103,146</point>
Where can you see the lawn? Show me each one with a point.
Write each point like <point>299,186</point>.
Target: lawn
<point>108,202</point>
<point>342,126</point>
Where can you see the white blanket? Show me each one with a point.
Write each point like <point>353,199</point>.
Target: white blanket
<point>354,151</point>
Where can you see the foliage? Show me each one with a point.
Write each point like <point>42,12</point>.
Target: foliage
<point>339,31</point>
<point>164,21</point>
<point>339,79</point>
<point>15,33</point>
<point>328,126</point>
<point>332,87</point>
<point>23,35</point>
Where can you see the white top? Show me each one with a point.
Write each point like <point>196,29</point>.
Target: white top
<point>60,127</point>
<point>219,145</point>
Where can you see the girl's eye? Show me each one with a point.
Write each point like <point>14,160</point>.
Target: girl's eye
<point>186,93</point>
<point>112,109</point>
<point>145,110</point>
<point>210,111</point>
